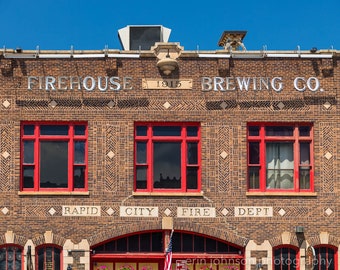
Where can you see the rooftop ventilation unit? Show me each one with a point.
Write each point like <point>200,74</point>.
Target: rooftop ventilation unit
<point>142,37</point>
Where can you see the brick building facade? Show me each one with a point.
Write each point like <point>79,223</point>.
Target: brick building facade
<point>245,143</point>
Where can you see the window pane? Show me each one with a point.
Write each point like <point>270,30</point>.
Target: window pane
<point>304,131</point>
<point>28,129</point>
<point>56,259</point>
<point>133,243</point>
<point>141,152</point>
<point>145,243</point>
<point>157,242</point>
<point>54,130</point>
<point>211,245</point>
<point>166,131</point>
<point>167,165</point>
<point>279,131</point>
<point>54,164</point>
<point>141,172</point>
<point>192,131</point>
<point>122,244</point>
<point>29,152</point>
<point>187,243</point>
<point>192,176</point>
<point>280,165</point>
<point>192,153</point>
<point>305,153</point>
<point>254,153</point>
<point>79,152</point>
<point>141,131</point>
<point>198,243</point>
<point>28,176</point>
<point>254,131</point>
<point>79,176</point>
<point>79,130</point>
<point>254,177</point>
<point>41,259</point>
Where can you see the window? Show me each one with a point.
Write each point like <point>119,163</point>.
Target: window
<point>53,156</point>
<point>10,257</point>
<point>280,157</point>
<point>167,157</point>
<point>325,258</point>
<point>285,258</point>
<point>49,258</point>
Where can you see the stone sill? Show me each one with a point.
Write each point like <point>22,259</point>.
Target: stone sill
<point>53,193</point>
<point>169,194</point>
<point>290,194</point>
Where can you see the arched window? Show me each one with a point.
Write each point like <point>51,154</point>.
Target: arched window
<point>285,258</point>
<point>325,257</point>
<point>10,257</point>
<point>49,258</point>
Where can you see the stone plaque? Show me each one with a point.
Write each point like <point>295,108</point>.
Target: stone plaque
<point>157,84</point>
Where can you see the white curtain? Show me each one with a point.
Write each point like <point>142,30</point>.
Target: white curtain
<point>280,165</point>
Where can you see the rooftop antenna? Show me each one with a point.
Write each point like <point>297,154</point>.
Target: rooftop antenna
<point>106,50</point>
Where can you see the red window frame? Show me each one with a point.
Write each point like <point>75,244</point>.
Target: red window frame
<point>296,139</point>
<point>16,256</point>
<point>44,249</point>
<point>149,139</point>
<point>286,263</point>
<point>320,262</point>
<point>70,138</point>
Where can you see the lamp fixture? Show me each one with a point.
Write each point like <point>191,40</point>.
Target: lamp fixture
<point>167,53</point>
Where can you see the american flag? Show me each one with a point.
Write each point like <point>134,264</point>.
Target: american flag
<point>168,254</point>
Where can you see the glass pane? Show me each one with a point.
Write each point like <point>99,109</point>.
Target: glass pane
<point>304,131</point>
<point>141,152</point>
<point>254,153</point>
<point>54,164</point>
<point>157,240</point>
<point>192,153</point>
<point>280,165</point>
<point>187,242</point>
<point>28,129</point>
<point>133,243</point>
<point>198,243</point>
<point>145,243</point>
<point>79,152</point>
<point>279,131</point>
<point>79,130</point>
<point>141,177</point>
<point>3,258</point>
<point>211,245</point>
<point>122,244</point>
<point>56,259</point>
<point>254,177</point>
<point>166,131</point>
<point>28,177</point>
<point>305,153</point>
<point>192,131</point>
<point>54,130</point>
<point>141,130</point>
<point>79,177</point>
<point>192,177</point>
<point>29,152</point>
<point>167,165</point>
<point>254,131</point>
<point>41,258</point>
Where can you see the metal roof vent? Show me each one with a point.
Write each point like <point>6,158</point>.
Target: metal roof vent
<point>232,40</point>
<point>142,37</point>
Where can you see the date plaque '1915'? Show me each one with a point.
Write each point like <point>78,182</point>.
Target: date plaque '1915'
<point>156,84</point>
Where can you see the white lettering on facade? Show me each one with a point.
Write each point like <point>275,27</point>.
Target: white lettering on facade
<point>241,83</point>
<point>83,210</point>
<point>138,211</point>
<point>196,212</point>
<point>253,211</point>
<point>87,83</point>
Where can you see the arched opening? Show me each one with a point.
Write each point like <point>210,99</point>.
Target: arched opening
<point>146,251</point>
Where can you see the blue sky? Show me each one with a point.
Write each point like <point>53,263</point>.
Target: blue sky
<point>92,25</point>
